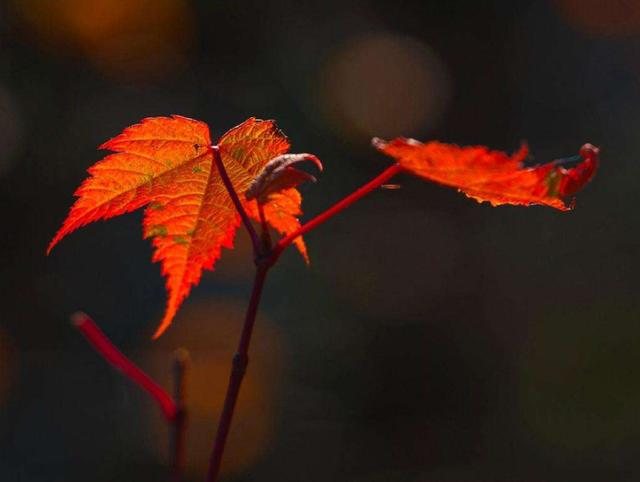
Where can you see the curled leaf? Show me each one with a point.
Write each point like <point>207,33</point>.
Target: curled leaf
<point>279,175</point>
<point>493,176</point>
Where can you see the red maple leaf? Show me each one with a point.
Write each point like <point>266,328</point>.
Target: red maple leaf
<point>493,176</point>
<point>167,165</point>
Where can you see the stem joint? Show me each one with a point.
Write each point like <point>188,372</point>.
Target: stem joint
<point>240,362</point>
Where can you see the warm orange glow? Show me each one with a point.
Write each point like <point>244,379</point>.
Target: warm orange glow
<point>384,85</point>
<point>209,330</point>
<point>132,40</point>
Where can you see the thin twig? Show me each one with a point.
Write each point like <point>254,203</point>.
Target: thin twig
<point>179,425</point>
<point>264,261</point>
<point>375,183</point>
<point>240,361</point>
<point>117,359</point>
<point>255,240</point>
<point>261,252</point>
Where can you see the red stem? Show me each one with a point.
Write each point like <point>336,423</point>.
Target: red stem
<point>215,150</point>
<point>263,263</point>
<point>118,360</point>
<point>383,177</point>
<point>179,426</point>
<point>240,361</point>
<point>241,358</point>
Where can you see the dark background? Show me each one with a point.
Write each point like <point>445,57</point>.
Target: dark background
<point>431,339</point>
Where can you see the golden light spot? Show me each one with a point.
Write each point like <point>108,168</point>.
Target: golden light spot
<point>129,40</point>
<point>384,85</point>
<point>210,332</point>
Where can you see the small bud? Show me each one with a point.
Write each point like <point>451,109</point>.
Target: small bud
<point>279,175</point>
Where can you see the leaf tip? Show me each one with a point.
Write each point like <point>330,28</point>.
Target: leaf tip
<point>53,244</point>
<point>315,160</point>
<point>522,153</point>
<point>166,321</point>
<point>160,330</point>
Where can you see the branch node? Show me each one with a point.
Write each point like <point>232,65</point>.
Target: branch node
<point>240,362</point>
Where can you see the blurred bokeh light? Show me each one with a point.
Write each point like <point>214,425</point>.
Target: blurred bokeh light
<point>133,40</point>
<point>431,338</point>
<point>209,331</point>
<point>384,85</point>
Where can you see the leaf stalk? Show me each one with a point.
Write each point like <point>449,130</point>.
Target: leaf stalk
<point>239,368</point>
<point>255,240</point>
<point>178,430</point>
<point>341,205</point>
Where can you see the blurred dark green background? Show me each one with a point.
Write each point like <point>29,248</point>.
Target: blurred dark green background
<point>432,339</point>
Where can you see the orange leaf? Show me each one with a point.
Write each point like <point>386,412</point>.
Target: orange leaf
<point>166,164</point>
<point>252,145</point>
<point>493,176</point>
<point>282,210</point>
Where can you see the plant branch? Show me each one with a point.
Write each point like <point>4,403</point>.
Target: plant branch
<point>255,240</point>
<point>118,360</point>
<point>239,367</point>
<point>179,426</point>
<point>375,183</point>
<point>263,263</point>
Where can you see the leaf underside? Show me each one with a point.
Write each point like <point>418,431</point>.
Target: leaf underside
<point>493,176</point>
<point>166,164</point>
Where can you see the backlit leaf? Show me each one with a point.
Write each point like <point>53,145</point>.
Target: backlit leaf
<point>493,176</point>
<point>167,165</point>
